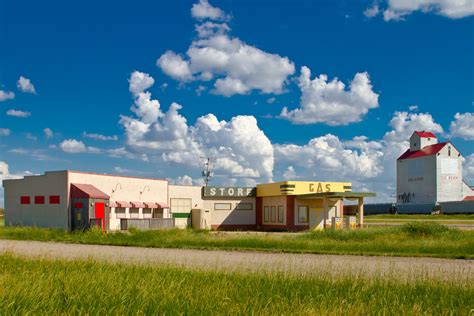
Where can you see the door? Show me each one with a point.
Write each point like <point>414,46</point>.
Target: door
<point>99,208</point>
<point>316,218</point>
<point>79,215</point>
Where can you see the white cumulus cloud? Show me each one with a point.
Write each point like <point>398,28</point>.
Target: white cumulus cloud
<point>175,66</point>
<point>48,132</point>
<point>73,146</point>
<point>468,169</point>
<point>372,11</point>
<point>236,67</point>
<point>25,85</point>
<point>100,136</point>
<point>204,10</point>
<point>240,147</point>
<point>397,9</point>
<point>139,82</point>
<point>462,126</point>
<point>6,95</point>
<point>18,113</point>
<point>5,132</point>
<point>330,102</point>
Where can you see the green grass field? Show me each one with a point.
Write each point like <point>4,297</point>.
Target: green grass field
<point>86,287</point>
<point>413,239</point>
<point>442,217</point>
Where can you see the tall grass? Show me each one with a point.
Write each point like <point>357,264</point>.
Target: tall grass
<point>86,287</point>
<point>414,239</point>
<point>428,217</point>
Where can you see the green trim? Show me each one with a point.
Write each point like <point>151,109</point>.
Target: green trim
<point>181,215</point>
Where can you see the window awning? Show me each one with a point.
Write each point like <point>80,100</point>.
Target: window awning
<point>155,205</point>
<point>88,191</point>
<point>137,204</point>
<point>123,204</point>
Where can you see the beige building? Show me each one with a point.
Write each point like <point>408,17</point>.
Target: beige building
<point>77,200</point>
<point>430,172</point>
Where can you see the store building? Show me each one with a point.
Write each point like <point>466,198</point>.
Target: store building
<point>76,200</point>
<point>430,172</point>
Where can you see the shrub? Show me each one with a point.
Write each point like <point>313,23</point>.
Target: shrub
<point>424,228</point>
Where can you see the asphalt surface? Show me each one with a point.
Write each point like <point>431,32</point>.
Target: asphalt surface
<point>401,268</point>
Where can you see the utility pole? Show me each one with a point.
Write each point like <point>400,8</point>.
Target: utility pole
<point>207,173</point>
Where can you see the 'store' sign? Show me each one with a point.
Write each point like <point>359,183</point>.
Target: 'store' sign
<point>217,192</point>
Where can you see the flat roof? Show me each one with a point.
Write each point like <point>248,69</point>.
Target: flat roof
<point>336,194</point>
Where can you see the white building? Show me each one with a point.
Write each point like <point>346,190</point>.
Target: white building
<point>430,172</point>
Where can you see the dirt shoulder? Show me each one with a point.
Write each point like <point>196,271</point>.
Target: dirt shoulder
<point>401,268</point>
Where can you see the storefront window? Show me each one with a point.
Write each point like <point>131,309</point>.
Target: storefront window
<point>146,213</point>
<point>280,214</point>
<point>134,212</point>
<point>302,214</point>
<point>274,214</point>
<point>244,206</point>
<point>222,206</point>
<point>120,212</point>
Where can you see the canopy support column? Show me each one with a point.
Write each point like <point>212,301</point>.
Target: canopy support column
<point>360,211</point>
<point>326,211</point>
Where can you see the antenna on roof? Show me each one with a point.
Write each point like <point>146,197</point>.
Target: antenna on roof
<point>207,172</point>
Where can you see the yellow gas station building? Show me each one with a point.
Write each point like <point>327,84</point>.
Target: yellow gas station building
<point>301,205</point>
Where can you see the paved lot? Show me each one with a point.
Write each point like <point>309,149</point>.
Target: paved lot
<point>294,264</point>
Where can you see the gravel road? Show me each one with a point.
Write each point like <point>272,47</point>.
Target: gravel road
<point>400,268</point>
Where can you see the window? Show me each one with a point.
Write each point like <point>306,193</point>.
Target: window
<point>302,214</point>
<point>134,212</point>
<point>24,200</point>
<point>39,199</point>
<point>274,214</point>
<point>157,213</point>
<point>280,214</point>
<point>244,206</point>
<point>180,206</point>
<point>54,199</point>
<point>222,206</point>
<point>449,151</point>
<point>120,212</point>
<point>146,212</point>
<point>266,214</point>
<point>414,144</point>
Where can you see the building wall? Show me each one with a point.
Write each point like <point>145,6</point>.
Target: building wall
<point>276,202</point>
<point>416,180</point>
<point>335,207</point>
<point>449,175</point>
<point>122,188</point>
<point>41,215</point>
<point>186,192</point>
<point>466,190</point>
<point>417,142</point>
<point>234,217</point>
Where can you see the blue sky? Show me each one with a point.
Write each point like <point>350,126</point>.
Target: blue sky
<point>411,67</point>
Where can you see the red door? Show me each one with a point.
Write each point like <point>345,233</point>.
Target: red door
<point>99,213</point>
